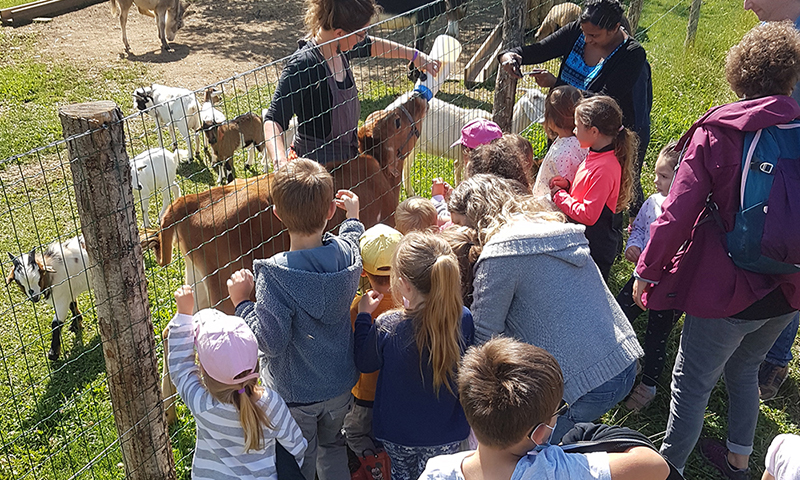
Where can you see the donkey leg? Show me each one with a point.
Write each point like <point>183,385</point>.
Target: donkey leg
<point>161,21</point>
<point>123,22</point>
<point>55,340</point>
<point>168,390</point>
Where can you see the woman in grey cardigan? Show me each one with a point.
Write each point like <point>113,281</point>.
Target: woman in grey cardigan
<point>535,281</point>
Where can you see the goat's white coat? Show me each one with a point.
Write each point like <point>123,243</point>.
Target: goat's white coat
<point>65,264</point>
<point>154,171</point>
<point>177,108</point>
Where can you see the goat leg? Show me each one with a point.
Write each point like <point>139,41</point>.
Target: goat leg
<point>55,340</point>
<point>76,326</point>
<point>161,21</point>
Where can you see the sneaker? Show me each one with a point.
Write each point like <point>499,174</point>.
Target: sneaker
<point>717,455</point>
<point>640,397</point>
<point>770,379</point>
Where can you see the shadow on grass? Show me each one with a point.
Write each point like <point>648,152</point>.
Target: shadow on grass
<point>197,172</point>
<point>69,376</point>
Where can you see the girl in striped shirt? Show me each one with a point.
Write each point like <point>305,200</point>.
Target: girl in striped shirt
<point>238,421</point>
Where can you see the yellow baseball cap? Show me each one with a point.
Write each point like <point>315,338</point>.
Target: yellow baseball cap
<point>378,245</point>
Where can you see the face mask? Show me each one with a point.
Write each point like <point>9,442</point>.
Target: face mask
<point>541,446</point>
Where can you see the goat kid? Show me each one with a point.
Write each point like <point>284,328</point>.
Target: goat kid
<point>243,131</point>
<point>154,171</point>
<point>168,15</point>
<point>58,276</point>
<point>174,107</point>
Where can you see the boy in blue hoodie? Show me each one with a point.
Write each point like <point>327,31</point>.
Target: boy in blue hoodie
<point>301,316</point>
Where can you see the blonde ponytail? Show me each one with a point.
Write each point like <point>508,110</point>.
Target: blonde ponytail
<point>252,418</point>
<point>626,146</point>
<point>427,262</point>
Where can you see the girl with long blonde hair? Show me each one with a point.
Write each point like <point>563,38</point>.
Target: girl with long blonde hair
<point>238,421</point>
<point>417,349</point>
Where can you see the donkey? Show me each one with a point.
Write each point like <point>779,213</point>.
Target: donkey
<point>168,15</point>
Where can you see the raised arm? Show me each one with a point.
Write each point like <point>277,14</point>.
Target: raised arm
<point>184,372</point>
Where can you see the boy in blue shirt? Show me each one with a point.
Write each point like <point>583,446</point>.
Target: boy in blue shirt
<point>511,392</point>
<point>301,316</point>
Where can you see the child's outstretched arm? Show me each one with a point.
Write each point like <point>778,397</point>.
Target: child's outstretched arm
<point>184,372</point>
<point>269,317</point>
<point>367,352</point>
<point>638,463</point>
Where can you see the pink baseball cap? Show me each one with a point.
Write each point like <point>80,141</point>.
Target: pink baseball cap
<point>478,132</point>
<point>226,346</point>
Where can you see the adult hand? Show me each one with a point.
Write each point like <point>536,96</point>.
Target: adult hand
<point>348,201</point>
<point>428,64</point>
<point>185,300</point>
<point>511,63</point>
<point>240,285</point>
<point>544,78</point>
<point>632,254</point>
<point>369,302</point>
<point>639,287</point>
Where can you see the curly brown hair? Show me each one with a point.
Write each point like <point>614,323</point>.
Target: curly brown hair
<point>765,62</point>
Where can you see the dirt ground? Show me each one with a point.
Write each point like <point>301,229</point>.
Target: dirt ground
<point>218,40</point>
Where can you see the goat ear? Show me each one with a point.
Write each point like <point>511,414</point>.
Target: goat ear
<point>12,257</point>
<point>32,256</point>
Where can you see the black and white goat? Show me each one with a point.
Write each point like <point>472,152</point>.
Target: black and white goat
<point>58,276</point>
<point>421,18</point>
<point>177,108</point>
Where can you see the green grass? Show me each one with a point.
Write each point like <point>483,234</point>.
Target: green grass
<point>12,3</point>
<point>55,417</point>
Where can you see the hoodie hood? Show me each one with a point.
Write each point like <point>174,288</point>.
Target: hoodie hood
<point>747,115</point>
<point>564,241</point>
<point>315,293</point>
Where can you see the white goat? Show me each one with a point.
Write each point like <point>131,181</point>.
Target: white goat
<point>175,107</point>
<point>154,171</point>
<point>58,276</point>
<point>442,125</point>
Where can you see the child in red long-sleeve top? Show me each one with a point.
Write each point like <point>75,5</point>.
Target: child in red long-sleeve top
<point>603,185</point>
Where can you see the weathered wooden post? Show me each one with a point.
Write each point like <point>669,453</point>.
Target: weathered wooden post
<point>101,176</point>
<point>634,13</point>
<point>506,86</point>
<point>694,18</point>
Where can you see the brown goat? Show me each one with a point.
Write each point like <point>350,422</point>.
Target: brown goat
<point>558,16</point>
<point>223,229</point>
<point>243,131</point>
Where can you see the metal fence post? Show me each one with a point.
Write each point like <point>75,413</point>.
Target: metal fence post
<point>506,86</point>
<point>101,176</point>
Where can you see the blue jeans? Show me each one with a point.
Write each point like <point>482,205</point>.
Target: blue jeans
<point>710,348</point>
<point>593,404</point>
<point>781,352</point>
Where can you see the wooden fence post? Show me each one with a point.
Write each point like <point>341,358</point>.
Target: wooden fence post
<point>694,18</point>
<point>634,13</point>
<point>101,176</point>
<point>506,86</point>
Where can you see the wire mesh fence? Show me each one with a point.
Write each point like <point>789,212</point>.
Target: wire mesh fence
<point>63,342</point>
